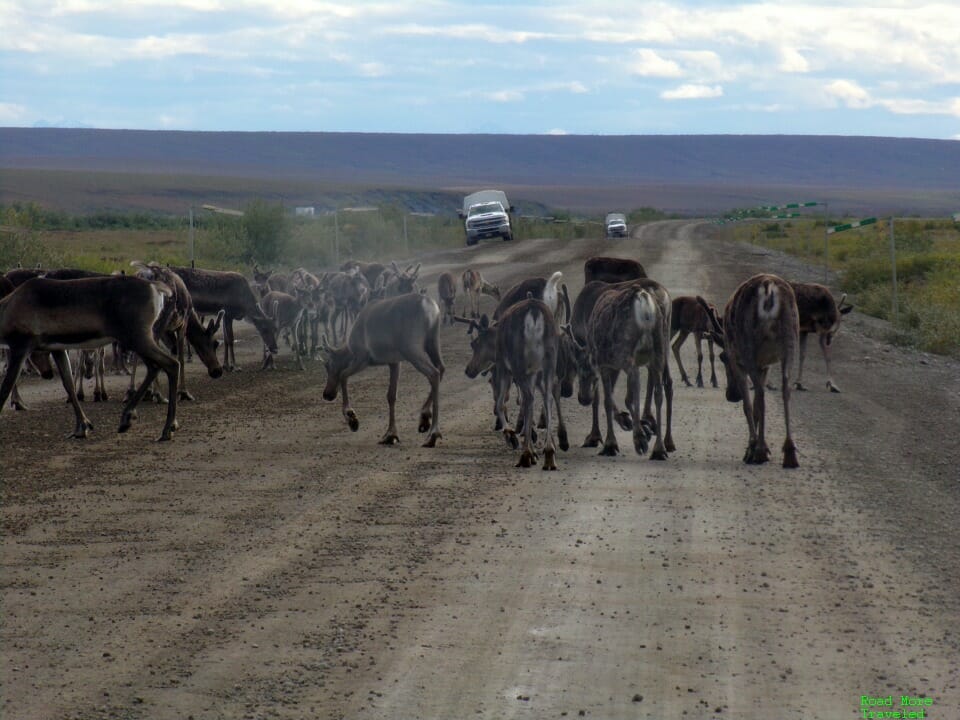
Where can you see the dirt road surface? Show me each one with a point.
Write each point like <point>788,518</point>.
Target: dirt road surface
<point>269,563</point>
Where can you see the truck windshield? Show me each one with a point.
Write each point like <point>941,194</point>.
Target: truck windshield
<point>485,208</point>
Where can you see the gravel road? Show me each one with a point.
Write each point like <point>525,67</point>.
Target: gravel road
<point>269,563</point>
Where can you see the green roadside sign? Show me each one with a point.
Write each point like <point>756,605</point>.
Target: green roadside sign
<point>851,226</point>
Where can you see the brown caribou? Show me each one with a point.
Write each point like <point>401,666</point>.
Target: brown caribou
<point>447,295</point>
<point>56,315</point>
<point>527,346</point>
<point>473,287</point>
<point>819,313</point>
<point>629,328</point>
<point>690,318</point>
<point>760,327</point>
<point>612,270</point>
<point>215,290</point>
<point>401,329</point>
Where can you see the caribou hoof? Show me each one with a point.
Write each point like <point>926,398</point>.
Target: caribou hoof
<point>649,427</point>
<point>592,440</point>
<point>757,455</point>
<point>390,439</point>
<point>527,459</point>
<point>125,423</point>
<point>432,440</point>
<point>686,381</point>
<point>610,450</point>
<point>790,458</point>
<point>185,395</point>
<point>713,381</point>
<point>353,421</point>
<point>624,420</point>
<point>640,443</point>
<point>17,405</point>
<point>165,436</point>
<point>425,419</point>
<point>668,444</point>
<point>549,460</point>
<point>511,437</point>
<point>831,387</point>
<point>658,454</point>
<point>562,439</point>
<point>801,388</point>
<point>699,382</point>
<point>81,431</point>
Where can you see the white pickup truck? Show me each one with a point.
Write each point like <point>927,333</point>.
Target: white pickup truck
<point>486,214</point>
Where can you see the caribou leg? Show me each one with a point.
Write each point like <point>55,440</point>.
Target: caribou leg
<point>501,386</point>
<point>825,347</point>
<point>655,376</point>
<point>610,446</point>
<point>562,438</point>
<point>677,344</point>
<point>430,365</point>
<point>698,338</point>
<point>83,423</point>
<point>594,438</point>
<point>640,443</point>
<point>761,453</point>
<point>803,355</point>
<point>789,449</point>
<point>391,437</point>
<point>668,443</point>
<point>527,455</point>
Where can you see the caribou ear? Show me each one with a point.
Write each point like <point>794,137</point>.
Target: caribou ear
<point>214,324</point>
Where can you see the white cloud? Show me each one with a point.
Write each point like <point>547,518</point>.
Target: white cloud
<point>648,63</point>
<point>557,131</point>
<point>11,112</point>
<point>504,96</point>
<point>792,61</point>
<point>849,93</point>
<point>692,92</point>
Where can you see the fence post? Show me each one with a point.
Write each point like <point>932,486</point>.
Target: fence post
<point>826,243</point>
<point>192,240</point>
<point>336,241</point>
<point>893,261</point>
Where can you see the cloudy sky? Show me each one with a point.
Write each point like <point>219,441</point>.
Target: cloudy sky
<point>848,67</point>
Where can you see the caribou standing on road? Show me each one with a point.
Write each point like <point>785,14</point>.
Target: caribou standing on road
<point>760,327</point>
<point>447,295</point>
<point>628,328</point>
<point>527,346</point>
<point>215,290</point>
<point>56,315</point>
<point>690,318</point>
<point>819,313</point>
<point>178,325</point>
<point>401,329</point>
<point>473,287</point>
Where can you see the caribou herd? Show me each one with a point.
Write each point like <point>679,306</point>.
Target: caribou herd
<point>369,314</point>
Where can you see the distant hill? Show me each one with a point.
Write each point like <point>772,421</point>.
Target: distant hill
<point>695,173</point>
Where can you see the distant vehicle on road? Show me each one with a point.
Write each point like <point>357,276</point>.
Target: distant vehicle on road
<point>616,225</point>
<point>486,214</point>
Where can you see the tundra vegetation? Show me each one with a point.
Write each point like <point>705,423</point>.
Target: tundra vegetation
<point>928,271</point>
<point>267,234</point>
